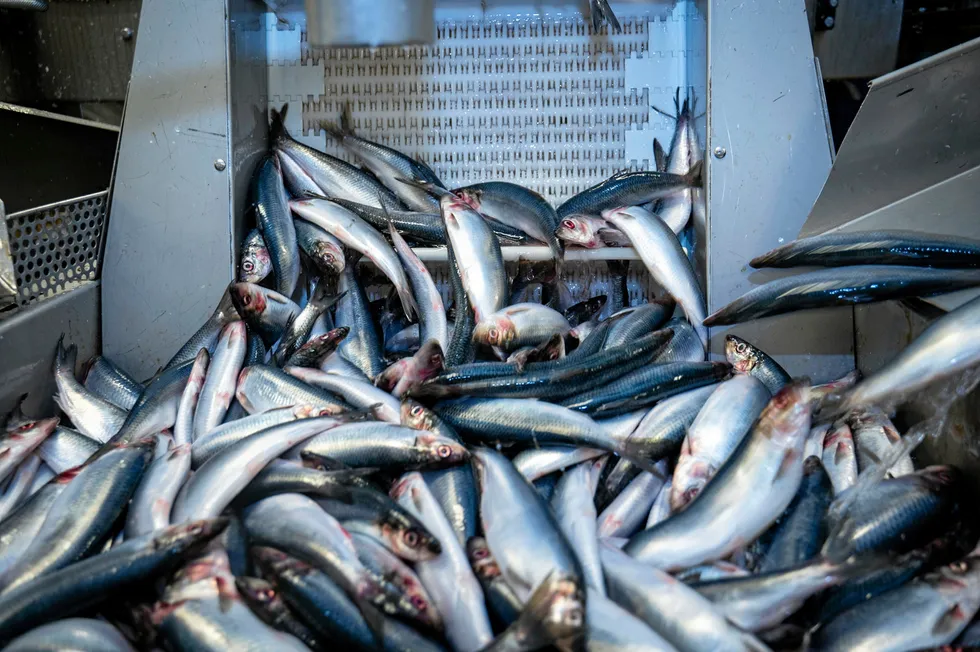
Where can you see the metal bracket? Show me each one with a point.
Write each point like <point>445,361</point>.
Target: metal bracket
<point>825,14</point>
<point>8,282</point>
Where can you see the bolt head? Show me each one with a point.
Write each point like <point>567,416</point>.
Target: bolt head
<point>828,21</point>
<point>219,164</point>
<point>127,33</point>
<point>720,152</point>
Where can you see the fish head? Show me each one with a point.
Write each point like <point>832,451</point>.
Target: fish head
<point>429,360</point>
<point>578,229</point>
<point>328,257</point>
<point>311,411</point>
<point>256,263</point>
<point>939,478</point>
<point>453,210</point>
<point>427,612</point>
<point>388,378</point>
<point>32,431</point>
<point>411,542</point>
<point>188,537</point>
<point>248,299</point>
<point>498,331</point>
<point>472,197</point>
<point>559,605</point>
<point>553,349</point>
<point>959,584</point>
<point>741,355</point>
<point>439,450</point>
<point>416,416</point>
<point>482,561</point>
<point>257,591</point>
<point>786,418</point>
<point>585,310</point>
<point>690,477</point>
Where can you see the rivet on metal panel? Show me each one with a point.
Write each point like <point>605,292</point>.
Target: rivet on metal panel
<point>127,33</point>
<point>720,152</point>
<point>219,164</point>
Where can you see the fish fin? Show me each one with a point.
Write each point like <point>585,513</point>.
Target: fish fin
<point>409,304</point>
<point>693,177</point>
<point>374,618</point>
<point>659,156</point>
<point>665,114</point>
<point>277,124</point>
<point>677,101</point>
<point>333,130</point>
<point>951,621</point>
<point>609,15</point>
<point>346,119</point>
<point>320,462</point>
<point>309,194</point>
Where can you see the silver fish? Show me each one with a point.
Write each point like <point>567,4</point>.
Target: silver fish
<point>384,445</point>
<point>93,416</point>
<point>535,463</point>
<point>19,485</point>
<point>610,628</point>
<point>276,224</point>
<point>266,311</point>
<point>520,529</point>
<point>221,380</point>
<point>763,601</point>
<point>82,514</point>
<point>575,512</point>
<point>478,257</point>
<point>628,511</point>
<point>583,230</point>
<point>448,578</point>
<point>17,444</point>
<point>839,458</point>
<point>262,388</point>
<point>675,210</point>
<point>334,177</point>
<point>874,248</point>
<point>674,610</point>
<point>156,408</point>
<point>842,286</point>
<point>521,324</point>
<point>660,510</point>
<point>154,498</point>
<point>299,330</point>
<point>432,312</point>
<point>232,432</point>
<point>664,259</point>
<point>515,206</point>
<point>726,419</point>
<point>874,438</point>
<point>389,165</point>
<point>685,346</point>
<point>322,248</point>
<point>359,393</point>
<point>357,234</point>
<point>946,348</point>
<point>184,425</point>
<point>753,488</point>
<point>362,345</point>
<point>65,449</point>
<point>112,383</point>
<point>924,614</point>
<point>216,483</point>
<point>628,189</point>
<point>254,262</point>
<point>78,634</point>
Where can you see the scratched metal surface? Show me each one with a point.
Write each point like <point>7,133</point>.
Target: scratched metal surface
<point>765,109</point>
<point>170,251</point>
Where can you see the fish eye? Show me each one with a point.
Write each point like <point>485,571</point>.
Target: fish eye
<point>419,602</point>
<point>27,426</point>
<point>416,411</point>
<point>444,451</point>
<point>574,618</point>
<point>959,566</point>
<point>568,224</point>
<point>248,266</point>
<point>741,348</point>
<point>411,539</point>
<point>480,553</point>
<point>493,334</point>
<point>553,355</point>
<point>435,359</point>
<point>247,299</point>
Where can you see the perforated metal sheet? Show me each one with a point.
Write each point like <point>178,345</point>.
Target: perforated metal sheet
<point>543,103</point>
<point>56,247</point>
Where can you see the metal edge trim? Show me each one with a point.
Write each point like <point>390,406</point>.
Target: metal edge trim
<point>56,204</point>
<point>14,108</point>
<point>928,62</point>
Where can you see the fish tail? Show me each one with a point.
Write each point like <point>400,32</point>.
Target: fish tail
<point>693,177</point>
<point>277,124</point>
<point>333,130</point>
